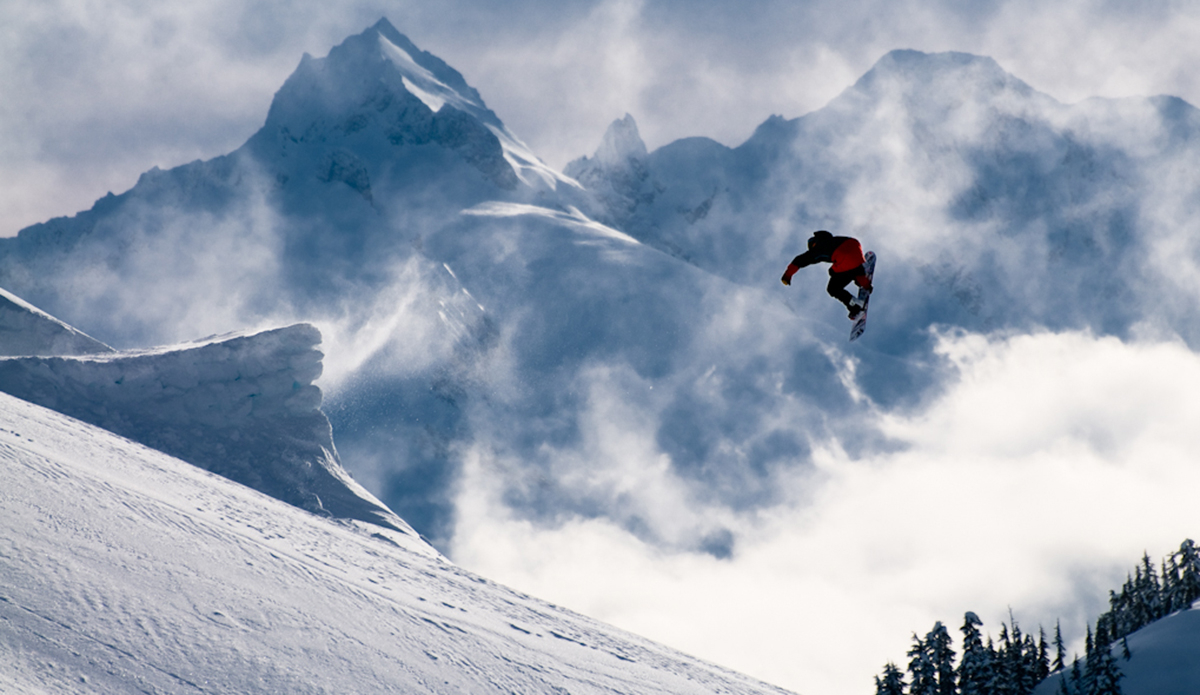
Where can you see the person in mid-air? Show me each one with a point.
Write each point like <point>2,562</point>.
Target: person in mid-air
<point>846,255</point>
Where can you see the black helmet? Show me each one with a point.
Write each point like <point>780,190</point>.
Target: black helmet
<point>818,236</point>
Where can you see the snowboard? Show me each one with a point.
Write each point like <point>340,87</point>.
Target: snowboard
<point>864,297</point>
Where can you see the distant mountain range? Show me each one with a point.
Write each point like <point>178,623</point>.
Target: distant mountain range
<point>474,299</point>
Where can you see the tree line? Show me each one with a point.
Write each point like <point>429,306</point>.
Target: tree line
<point>1017,662</point>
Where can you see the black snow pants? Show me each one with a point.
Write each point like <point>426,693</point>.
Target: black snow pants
<point>838,281</point>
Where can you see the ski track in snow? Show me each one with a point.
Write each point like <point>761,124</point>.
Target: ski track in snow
<point>126,570</point>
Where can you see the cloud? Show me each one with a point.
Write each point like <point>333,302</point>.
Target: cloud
<point>1039,475</point>
<point>97,93</point>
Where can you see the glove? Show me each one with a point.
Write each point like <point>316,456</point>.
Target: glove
<point>787,274</point>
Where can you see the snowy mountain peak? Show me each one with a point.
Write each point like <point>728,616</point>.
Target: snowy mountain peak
<point>428,77</point>
<point>616,174</point>
<point>952,73</point>
<point>621,143</point>
<point>428,65</point>
<point>376,92</point>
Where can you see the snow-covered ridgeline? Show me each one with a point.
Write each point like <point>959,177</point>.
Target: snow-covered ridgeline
<point>242,406</point>
<point>27,330</point>
<point>423,82</point>
<point>128,571</point>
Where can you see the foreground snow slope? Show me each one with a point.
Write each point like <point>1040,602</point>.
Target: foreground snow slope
<point>126,570</point>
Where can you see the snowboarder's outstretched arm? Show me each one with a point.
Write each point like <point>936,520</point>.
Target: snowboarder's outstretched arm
<point>805,259</point>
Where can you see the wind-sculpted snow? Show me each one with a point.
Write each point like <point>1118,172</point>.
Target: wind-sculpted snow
<point>128,571</point>
<point>241,406</point>
<point>27,330</point>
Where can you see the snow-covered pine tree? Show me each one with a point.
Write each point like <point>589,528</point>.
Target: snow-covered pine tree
<point>922,669</point>
<point>1060,651</point>
<point>1106,675</point>
<point>974,670</point>
<point>941,654</point>
<point>1149,596</point>
<point>1187,580</point>
<point>1106,626</point>
<point>1169,572</point>
<point>1041,662</point>
<point>891,682</point>
<point>1077,684</point>
<point>999,682</point>
<point>1091,653</point>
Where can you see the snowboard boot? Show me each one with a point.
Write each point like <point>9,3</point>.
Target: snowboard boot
<point>855,308</point>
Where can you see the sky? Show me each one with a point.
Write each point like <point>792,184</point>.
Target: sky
<point>97,92</point>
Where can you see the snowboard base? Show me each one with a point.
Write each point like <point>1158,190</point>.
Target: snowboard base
<point>864,297</point>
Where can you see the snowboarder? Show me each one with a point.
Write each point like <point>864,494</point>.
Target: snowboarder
<point>846,255</point>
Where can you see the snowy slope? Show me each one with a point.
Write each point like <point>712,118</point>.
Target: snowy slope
<point>1164,659</point>
<point>128,571</point>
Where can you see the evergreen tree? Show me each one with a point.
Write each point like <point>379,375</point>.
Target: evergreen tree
<point>1106,676</point>
<point>1019,661</point>
<point>1041,664</point>
<point>941,656</point>
<point>999,677</point>
<point>892,681</point>
<point>1091,664</point>
<point>1169,570</point>
<point>1060,651</point>
<point>974,670</point>
<point>1025,666</point>
<point>1149,595</point>
<point>922,670</point>
<point>1105,629</point>
<point>1187,586</point>
<point>998,682</point>
<point>1076,677</point>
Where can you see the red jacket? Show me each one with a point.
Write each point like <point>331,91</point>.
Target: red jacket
<point>845,253</point>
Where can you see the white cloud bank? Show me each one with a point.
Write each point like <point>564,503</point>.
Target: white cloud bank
<point>1035,480</point>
